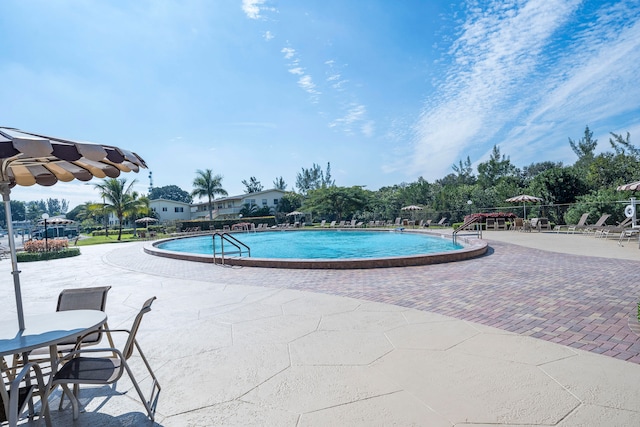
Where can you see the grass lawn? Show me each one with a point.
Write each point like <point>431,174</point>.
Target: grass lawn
<point>99,240</point>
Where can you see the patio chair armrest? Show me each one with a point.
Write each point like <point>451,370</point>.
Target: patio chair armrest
<point>96,331</point>
<point>80,351</point>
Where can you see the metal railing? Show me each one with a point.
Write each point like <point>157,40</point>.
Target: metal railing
<point>237,245</point>
<point>477,228</point>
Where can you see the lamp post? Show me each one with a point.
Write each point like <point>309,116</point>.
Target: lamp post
<point>469,202</point>
<point>45,217</point>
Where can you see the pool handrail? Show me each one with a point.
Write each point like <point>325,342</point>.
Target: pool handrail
<point>230,239</point>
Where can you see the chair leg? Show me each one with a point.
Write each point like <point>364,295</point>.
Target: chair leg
<point>74,402</point>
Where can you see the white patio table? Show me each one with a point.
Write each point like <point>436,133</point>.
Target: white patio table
<point>47,330</point>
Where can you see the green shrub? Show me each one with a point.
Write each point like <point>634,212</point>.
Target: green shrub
<point>44,256</point>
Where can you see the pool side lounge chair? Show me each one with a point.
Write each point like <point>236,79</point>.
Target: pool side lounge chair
<point>491,223</point>
<point>332,224</point>
<point>614,230</point>
<point>599,224</point>
<point>573,227</point>
<point>443,222</point>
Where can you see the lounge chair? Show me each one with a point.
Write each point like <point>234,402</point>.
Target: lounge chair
<point>443,222</point>
<point>333,224</point>
<point>501,224</point>
<point>398,222</point>
<point>613,229</point>
<point>323,223</point>
<point>574,227</point>
<point>491,223</point>
<point>81,369</point>
<point>341,224</point>
<point>598,225</point>
<point>517,224</point>
<point>15,395</point>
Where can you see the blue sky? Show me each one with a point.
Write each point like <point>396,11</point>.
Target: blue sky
<point>386,91</point>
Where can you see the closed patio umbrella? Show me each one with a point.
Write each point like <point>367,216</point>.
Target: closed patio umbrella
<point>29,158</point>
<point>524,199</point>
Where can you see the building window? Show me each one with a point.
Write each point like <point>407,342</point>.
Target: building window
<point>164,209</point>
<point>220,206</point>
<point>229,205</point>
<point>264,202</point>
<point>178,209</point>
<point>275,202</point>
<point>153,209</point>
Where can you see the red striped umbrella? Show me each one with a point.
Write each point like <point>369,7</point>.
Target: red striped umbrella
<point>29,158</point>
<point>524,199</point>
<point>634,186</point>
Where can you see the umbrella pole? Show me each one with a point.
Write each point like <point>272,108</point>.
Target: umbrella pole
<point>4,187</point>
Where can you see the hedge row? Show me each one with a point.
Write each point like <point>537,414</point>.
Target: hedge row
<point>43,256</point>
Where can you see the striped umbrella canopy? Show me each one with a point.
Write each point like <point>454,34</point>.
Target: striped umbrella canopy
<point>28,158</point>
<point>57,221</point>
<point>524,199</point>
<point>634,186</point>
<point>411,208</point>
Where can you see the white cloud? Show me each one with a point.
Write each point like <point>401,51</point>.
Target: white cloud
<point>254,8</point>
<point>306,83</point>
<point>296,70</point>
<point>288,52</point>
<point>493,61</point>
<point>268,36</point>
<point>355,118</point>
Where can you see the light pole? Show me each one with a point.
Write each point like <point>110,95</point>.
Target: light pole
<point>45,217</point>
<point>469,202</point>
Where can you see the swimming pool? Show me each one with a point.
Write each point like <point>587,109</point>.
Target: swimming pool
<point>334,249</point>
<point>325,244</point>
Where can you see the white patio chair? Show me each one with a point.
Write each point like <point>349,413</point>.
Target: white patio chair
<point>80,369</point>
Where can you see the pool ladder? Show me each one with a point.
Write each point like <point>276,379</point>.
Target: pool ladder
<point>237,245</point>
<point>471,222</point>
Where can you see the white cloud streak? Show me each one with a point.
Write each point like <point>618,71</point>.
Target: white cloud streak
<point>254,8</point>
<point>514,82</point>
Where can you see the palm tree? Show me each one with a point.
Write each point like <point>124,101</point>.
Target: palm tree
<point>117,199</point>
<point>206,184</point>
<point>136,205</point>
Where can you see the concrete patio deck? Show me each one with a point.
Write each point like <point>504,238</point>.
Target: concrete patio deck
<point>522,336</point>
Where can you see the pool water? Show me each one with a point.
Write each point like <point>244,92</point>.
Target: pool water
<point>328,244</point>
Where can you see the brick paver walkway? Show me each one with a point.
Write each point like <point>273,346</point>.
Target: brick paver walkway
<point>581,302</point>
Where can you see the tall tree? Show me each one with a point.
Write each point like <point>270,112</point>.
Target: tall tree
<point>584,149</point>
<point>314,178</point>
<point>279,184</point>
<point>252,186</point>
<point>57,207</point>
<point>623,145</point>
<point>327,181</point>
<point>464,172</point>
<point>170,192</point>
<point>498,166</point>
<point>117,196</point>
<point>206,184</point>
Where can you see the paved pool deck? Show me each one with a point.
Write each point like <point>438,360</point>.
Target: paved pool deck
<point>535,333</point>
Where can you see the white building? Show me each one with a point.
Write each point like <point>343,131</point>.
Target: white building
<point>233,204</point>
<point>170,210</point>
